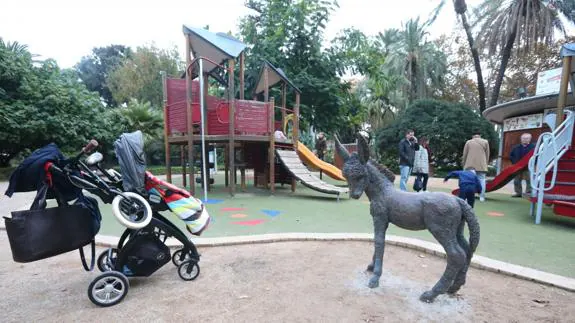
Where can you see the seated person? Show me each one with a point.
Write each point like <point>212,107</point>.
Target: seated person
<point>279,136</point>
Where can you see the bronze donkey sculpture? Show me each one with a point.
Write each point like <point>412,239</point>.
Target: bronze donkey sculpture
<point>444,215</point>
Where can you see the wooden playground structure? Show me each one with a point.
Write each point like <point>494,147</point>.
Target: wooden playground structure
<point>244,128</point>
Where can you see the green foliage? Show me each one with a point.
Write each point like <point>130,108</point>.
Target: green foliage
<point>139,75</point>
<point>289,34</point>
<point>140,116</point>
<point>39,104</point>
<point>447,125</point>
<point>95,69</point>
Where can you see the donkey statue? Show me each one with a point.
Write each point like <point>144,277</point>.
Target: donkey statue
<point>444,215</point>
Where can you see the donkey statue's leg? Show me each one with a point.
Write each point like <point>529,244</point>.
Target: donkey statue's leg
<point>370,266</point>
<point>456,259</point>
<point>379,227</point>
<point>461,275</point>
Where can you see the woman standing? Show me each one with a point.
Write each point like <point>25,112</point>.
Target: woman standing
<point>421,164</point>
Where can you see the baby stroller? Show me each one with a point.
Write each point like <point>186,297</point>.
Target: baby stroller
<point>141,250</point>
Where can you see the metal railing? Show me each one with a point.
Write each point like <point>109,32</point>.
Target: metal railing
<point>551,146</point>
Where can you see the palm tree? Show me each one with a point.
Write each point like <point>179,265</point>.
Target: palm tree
<point>418,59</point>
<point>460,7</point>
<point>141,116</point>
<point>523,24</point>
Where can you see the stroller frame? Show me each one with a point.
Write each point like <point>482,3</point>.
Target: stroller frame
<point>111,287</point>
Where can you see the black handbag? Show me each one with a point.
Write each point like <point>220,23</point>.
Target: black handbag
<point>418,183</point>
<point>42,232</point>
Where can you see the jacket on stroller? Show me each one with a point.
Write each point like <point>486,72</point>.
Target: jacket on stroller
<point>130,153</point>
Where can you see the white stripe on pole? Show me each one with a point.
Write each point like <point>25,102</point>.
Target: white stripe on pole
<point>204,165</point>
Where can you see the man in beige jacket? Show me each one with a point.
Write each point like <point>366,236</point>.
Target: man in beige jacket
<point>476,155</point>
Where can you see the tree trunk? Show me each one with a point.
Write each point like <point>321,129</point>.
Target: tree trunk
<point>505,55</point>
<point>476,63</point>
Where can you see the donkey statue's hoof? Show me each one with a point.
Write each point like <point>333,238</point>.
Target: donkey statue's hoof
<point>373,282</point>
<point>427,297</point>
<point>370,268</point>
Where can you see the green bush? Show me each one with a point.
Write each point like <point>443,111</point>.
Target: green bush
<point>447,125</point>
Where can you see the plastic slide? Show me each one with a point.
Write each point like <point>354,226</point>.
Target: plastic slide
<point>506,176</point>
<point>311,160</point>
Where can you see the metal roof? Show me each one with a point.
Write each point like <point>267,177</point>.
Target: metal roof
<point>217,47</point>
<point>276,75</point>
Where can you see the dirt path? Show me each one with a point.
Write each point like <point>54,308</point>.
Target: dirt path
<point>281,282</point>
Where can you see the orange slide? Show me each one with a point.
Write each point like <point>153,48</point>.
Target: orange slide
<point>311,160</point>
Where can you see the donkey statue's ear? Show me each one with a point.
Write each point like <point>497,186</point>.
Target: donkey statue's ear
<point>340,148</point>
<point>362,148</point>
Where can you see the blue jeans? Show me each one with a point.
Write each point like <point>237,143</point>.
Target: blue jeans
<point>467,193</point>
<point>405,171</point>
<point>481,176</point>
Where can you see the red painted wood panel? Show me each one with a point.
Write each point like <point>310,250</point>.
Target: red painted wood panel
<point>252,117</point>
<point>218,117</point>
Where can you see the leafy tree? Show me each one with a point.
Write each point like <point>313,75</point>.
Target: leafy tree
<point>447,125</point>
<point>39,104</point>
<point>522,71</point>
<point>141,116</point>
<point>458,86</point>
<point>289,34</point>
<point>460,7</point>
<point>95,69</point>
<point>418,59</point>
<point>518,26</point>
<point>139,77</point>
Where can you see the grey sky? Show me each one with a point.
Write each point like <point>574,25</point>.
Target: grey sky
<point>66,30</point>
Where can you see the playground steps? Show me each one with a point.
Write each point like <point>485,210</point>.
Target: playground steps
<point>294,165</point>
<point>564,185</point>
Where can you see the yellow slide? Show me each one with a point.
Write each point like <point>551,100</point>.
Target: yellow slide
<point>311,160</point>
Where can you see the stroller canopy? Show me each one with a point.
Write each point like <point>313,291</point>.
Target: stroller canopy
<point>129,150</point>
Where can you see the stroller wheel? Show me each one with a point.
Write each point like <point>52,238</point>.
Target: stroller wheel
<point>133,213</point>
<point>106,259</point>
<point>189,270</point>
<point>108,289</point>
<point>177,258</point>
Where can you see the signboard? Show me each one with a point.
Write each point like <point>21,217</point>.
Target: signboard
<point>531,121</point>
<point>549,82</point>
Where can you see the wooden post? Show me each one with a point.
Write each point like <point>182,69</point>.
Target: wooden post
<point>266,84</point>
<point>296,120</point>
<point>242,68</point>
<point>189,114</point>
<point>232,112</point>
<point>295,132</point>
<point>272,145</point>
<point>166,127</point>
<point>563,89</point>
<point>284,99</point>
<point>226,165</point>
<point>183,161</point>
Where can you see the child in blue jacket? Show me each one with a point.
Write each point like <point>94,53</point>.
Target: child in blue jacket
<point>469,184</point>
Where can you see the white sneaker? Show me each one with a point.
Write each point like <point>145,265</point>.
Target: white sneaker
<point>481,199</point>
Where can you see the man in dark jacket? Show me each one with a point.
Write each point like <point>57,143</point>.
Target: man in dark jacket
<point>519,151</point>
<point>407,148</point>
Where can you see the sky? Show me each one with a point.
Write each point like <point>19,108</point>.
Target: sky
<point>66,30</point>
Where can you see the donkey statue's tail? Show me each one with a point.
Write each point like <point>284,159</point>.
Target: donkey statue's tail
<point>469,217</point>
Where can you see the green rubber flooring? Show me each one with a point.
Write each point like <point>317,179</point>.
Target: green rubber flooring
<point>508,233</point>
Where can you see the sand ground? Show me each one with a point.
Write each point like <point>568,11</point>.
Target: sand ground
<point>278,282</point>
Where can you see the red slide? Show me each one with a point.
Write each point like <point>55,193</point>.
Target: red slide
<point>506,175</point>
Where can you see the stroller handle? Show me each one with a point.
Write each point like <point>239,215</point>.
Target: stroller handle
<point>90,146</point>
